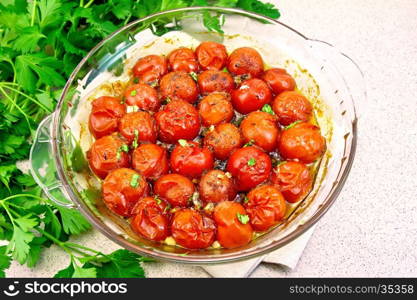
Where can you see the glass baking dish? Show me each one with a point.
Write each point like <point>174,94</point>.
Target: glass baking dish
<point>330,79</point>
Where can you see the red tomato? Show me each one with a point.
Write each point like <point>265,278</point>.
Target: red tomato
<point>249,166</point>
<point>150,219</point>
<point>150,68</point>
<point>245,60</point>
<point>215,108</point>
<point>278,80</point>
<point>138,126</point>
<point>265,207</point>
<point>190,160</point>
<point>150,160</point>
<point>215,81</point>
<point>251,96</point>
<point>293,179</point>
<point>192,229</point>
<point>223,140</point>
<point>260,128</point>
<point>216,186</point>
<point>105,115</point>
<point>174,188</point>
<point>143,96</point>
<point>108,153</point>
<point>179,85</point>
<point>231,232</point>
<point>303,142</point>
<point>178,120</point>
<point>183,59</point>
<point>292,106</point>
<point>211,55</point>
<point>122,188</point>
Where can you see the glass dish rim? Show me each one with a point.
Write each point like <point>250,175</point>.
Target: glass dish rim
<point>166,256</point>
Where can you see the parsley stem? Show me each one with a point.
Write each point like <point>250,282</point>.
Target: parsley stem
<point>21,195</point>
<point>30,98</point>
<point>17,106</point>
<point>88,4</point>
<point>72,245</point>
<point>32,20</point>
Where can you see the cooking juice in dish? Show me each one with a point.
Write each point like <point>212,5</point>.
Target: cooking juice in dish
<point>204,148</point>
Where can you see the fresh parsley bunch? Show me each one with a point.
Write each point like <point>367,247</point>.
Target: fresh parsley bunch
<point>41,42</point>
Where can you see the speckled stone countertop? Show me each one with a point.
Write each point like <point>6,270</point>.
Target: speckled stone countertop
<point>371,230</point>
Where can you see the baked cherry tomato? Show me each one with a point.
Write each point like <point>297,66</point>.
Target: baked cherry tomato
<point>245,60</point>
<point>108,153</point>
<point>265,207</point>
<point>174,188</point>
<point>179,85</point>
<point>143,96</point>
<point>190,160</point>
<point>150,219</point>
<point>192,229</point>
<point>223,140</point>
<point>150,160</point>
<point>251,95</point>
<point>293,180</point>
<point>216,186</point>
<point>150,68</point>
<point>138,126</point>
<point>122,189</point>
<point>290,107</point>
<point>303,141</point>
<point>178,120</point>
<point>211,55</point>
<point>215,108</point>
<point>215,81</point>
<point>261,129</point>
<point>105,115</point>
<point>279,80</point>
<point>233,227</point>
<point>183,59</point>
<point>249,166</point>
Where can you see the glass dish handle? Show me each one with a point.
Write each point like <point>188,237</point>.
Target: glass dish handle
<point>348,69</point>
<point>43,167</point>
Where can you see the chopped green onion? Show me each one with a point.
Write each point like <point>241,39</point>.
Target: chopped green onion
<point>244,219</point>
<point>193,75</point>
<point>135,140</point>
<point>132,108</point>
<point>292,125</point>
<point>134,182</point>
<point>251,162</point>
<point>268,109</point>
<point>157,200</point>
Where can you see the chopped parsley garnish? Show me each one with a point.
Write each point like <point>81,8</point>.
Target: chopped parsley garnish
<point>251,162</point>
<point>157,200</point>
<point>244,219</point>
<point>268,109</point>
<point>133,93</point>
<point>250,143</point>
<point>292,125</point>
<point>183,143</point>
<point>122,148</point>
<point>193,75</point>
<point>246,199</point>
<point>135,140</point>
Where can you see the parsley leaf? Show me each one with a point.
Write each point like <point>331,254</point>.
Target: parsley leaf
<point>5,261</point>
<point>72,221</point>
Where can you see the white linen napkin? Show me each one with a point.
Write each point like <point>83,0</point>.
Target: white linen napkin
<point>287,256</point>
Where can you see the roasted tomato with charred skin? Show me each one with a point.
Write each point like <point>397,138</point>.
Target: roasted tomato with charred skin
<point>278,80</point>
<point>217,186</point>
<point>223,140</point>
<point>143,96</point>
<point>179,85</point>
<point>192,229</point>
<point>150,219</point>
<point>251,95</point>
<point>108,153</point>
<point>150,68</point>
<point>174,188</point>
<point>178,120</point>
<point>265,207</point>
<point>215,108</point>
<point>138,126</point>
<point>260,128</point>
<point>215,81</point>
<point>231,232</point>
<point>293,180</point>
<point>190,160</point>
<point>105,115</point>
<point>150,160</point>
<point>245,60</point>
<point>303,141</point>
<point>183,59</point>
<point>249,166</point>
<point>292,106</point>
<point>122,189</point>
<point>211,55</point>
